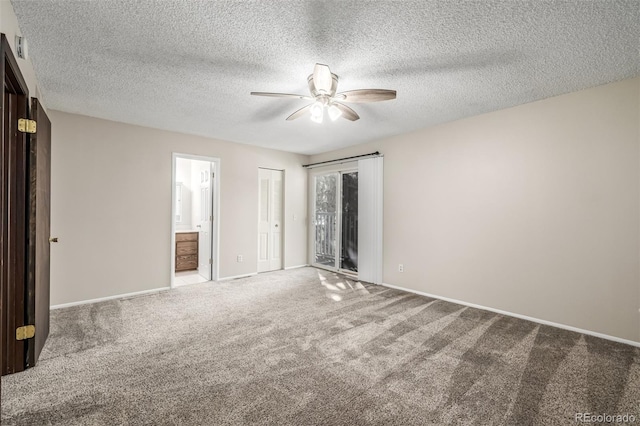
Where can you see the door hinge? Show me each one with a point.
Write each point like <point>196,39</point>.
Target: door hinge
<point>26,126</point>
<point>213,175</point>
<point>210,261</point>
<point>25,332</point>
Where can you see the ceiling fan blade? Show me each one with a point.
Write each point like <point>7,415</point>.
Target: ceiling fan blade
<point>299,113</point>
<point>366,95</point>
<point>281,95</point>
<point>347,112</point>
<point>322,79</point>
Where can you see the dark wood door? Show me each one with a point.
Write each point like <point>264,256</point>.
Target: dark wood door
<point>14,187</point>
<point>39,232</point>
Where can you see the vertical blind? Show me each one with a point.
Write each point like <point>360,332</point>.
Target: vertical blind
<point>370,209</point>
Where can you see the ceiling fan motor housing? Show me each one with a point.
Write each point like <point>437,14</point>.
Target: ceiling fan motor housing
<point>314,91</point>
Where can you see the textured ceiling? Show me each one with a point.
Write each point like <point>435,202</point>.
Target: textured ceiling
<point>189,66</point>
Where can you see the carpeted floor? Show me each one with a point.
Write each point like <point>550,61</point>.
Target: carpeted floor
<point>308,347</point>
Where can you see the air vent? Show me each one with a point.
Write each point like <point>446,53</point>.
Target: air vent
<point>21,47</point>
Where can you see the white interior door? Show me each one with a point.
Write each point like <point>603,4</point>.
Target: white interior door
<point>205,175</point>
<point>270,186</point>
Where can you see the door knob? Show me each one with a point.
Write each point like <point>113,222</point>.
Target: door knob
<point>276,225</point>
<point>53,239</point>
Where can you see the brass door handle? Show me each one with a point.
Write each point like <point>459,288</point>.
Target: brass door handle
<point>53,239</point>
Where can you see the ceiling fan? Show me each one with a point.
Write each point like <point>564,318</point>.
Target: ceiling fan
<point>323,85</point>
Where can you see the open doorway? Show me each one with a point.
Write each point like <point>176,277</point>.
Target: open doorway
<point>194,230</point>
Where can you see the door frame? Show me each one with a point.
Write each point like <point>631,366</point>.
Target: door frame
<point>215,226</point>
<point>338,248</point>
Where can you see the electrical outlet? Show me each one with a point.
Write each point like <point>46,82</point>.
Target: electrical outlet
<point>239,258</point>
<point>400,267</point>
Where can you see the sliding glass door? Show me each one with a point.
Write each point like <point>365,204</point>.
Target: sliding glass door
<point>349,222</point>
<point>326,203</point>
<point>336,221</point>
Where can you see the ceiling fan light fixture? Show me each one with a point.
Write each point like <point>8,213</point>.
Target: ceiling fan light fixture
<point>317,118</point>
<point>322,87</point>
<point>317,112</point>
<point>317,109</point>
<point>334,112</point>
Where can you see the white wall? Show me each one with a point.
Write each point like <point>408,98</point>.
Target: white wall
<point>111,205</point>
<point>533,210</point>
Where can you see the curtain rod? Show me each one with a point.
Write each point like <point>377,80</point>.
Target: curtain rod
<point>340,159</point>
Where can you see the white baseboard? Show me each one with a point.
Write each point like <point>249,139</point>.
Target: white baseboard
<point>235,277</point>
<point>117,296</point>
<point>524,317</point>
<point>294,267</point>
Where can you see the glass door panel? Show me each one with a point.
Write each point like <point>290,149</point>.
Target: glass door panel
<point>349,222</point>
<point>326,201</point>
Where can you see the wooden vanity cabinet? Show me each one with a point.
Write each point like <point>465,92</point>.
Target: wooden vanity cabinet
<point>186,251</point>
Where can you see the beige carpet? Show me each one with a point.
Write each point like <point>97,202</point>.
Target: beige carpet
<point>308,347</point>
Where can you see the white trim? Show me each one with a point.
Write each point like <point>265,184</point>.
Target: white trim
<point>524,317</point>
<point>294,267</point>
<point>237,276</point>
<point>117,296</point>
<point>216,200</point>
